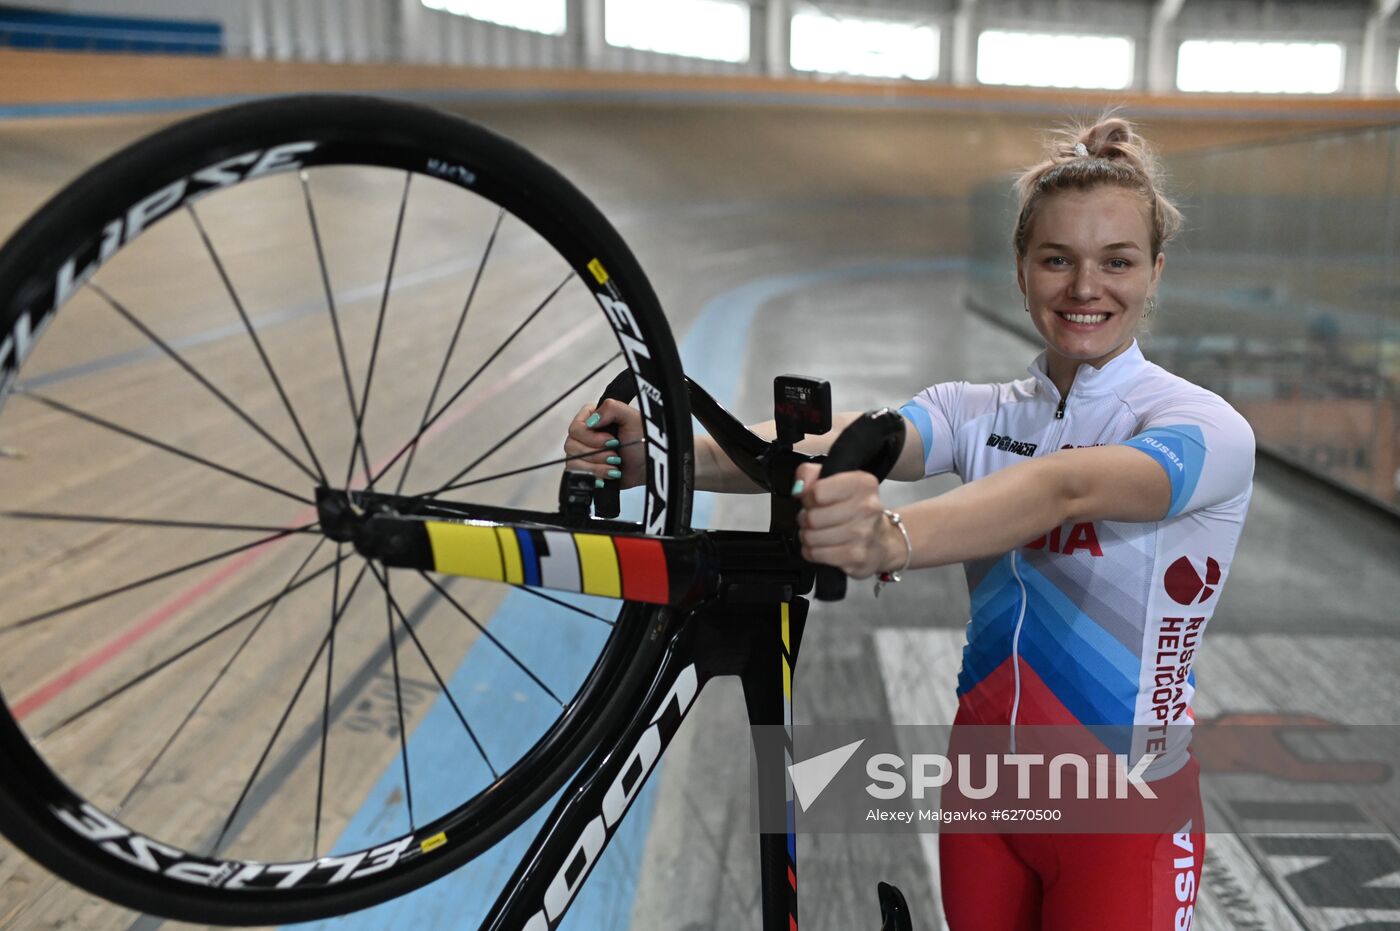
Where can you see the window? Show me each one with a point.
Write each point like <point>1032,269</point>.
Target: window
<point>1039,59</point>
<point>879,48</point>
<point>547,16</point>
<point>714,29</point>
<point>1259,67</point>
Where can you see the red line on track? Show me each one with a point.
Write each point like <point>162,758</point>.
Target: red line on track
<point>77,672</point>
<point>125,640</point>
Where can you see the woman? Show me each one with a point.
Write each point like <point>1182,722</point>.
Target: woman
<point>1102,502</point>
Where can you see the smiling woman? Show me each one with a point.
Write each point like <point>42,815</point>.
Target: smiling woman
<point>1088,242</point>
<point>1103,498</point>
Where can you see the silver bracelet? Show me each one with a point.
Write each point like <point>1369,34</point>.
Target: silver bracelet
<point>885,578</point>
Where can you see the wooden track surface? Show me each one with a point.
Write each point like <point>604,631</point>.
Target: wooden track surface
<point>708,197</point>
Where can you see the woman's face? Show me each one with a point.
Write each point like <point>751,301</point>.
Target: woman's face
<point>1088,272</point>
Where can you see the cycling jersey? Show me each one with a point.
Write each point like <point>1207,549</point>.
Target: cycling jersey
<point>1096,623</point>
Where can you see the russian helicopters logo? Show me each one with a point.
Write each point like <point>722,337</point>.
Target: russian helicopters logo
<point>1185,584</point>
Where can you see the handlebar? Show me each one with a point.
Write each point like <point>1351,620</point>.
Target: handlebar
<point>894,911</point>
<point>872,443</point>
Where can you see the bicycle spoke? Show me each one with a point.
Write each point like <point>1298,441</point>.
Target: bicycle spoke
<point>326,705</point>
<point>228,664</point>
<point>257,343</point>
<point>335,316</point>
<point>427,425</point>
<point>148,522</point>
<point>433,669</point>
<point>398,701</point>
<point>531,468</point>
<point>378,332</point>
<point>529,423</point>
<point>564,604</point>
<point>151,441</point>
<point>490,636</point>
<point>180,654</point>
<point>197,376</point>
<point>451,347</point>
<point>130,586</point>
<point>282,722</point>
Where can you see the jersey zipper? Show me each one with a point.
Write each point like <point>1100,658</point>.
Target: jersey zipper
<point>1025,599</point>
<point>1016,651</point>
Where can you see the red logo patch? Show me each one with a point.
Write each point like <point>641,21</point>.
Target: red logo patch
<point>1185,585</point>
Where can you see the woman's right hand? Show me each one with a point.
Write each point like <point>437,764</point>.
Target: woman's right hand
<point>595,447</point>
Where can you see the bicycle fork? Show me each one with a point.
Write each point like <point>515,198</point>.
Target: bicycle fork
<point>767,681</point>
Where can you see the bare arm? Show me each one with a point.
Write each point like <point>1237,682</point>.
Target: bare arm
<point>843,522</point>
<point>714,471</point>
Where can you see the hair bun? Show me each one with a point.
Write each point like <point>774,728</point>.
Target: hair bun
<point>1110,138</point>
<point>1079,158</point>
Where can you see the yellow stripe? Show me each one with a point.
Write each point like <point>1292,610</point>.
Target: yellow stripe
<point>599,561</point>
<point>600,274</point>
<point>465,549</point>
<point>433,843</point>
<point>510,548</point>
<point>787,645</point>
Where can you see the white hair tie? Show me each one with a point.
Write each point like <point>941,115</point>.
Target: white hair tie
<point>1081,150</point>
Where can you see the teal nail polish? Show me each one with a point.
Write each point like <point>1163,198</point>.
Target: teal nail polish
<point>592,420</point>
<point>797,487</point>
<point>614,473</point>
<point>598,483</point>
<point>614,460</point>
<point>614,443</point>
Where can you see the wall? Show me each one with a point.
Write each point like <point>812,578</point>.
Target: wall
<point>50,83</point>
<point>405,31</point>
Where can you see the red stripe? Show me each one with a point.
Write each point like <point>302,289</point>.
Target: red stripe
<point>122,642</point>
<point>644,575</point>
<point>118,645</point>
<point>792,880</point>
<point>792,923</point>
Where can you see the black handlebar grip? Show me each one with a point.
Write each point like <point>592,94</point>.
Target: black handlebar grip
<point>894,911</point>
<point>872,444</point>
<point>606,500</point>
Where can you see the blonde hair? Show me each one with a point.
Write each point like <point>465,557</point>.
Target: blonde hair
<point>1110,152</point>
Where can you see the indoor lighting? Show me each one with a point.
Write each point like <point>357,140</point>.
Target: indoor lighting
<point>879,48</point>
<point>1039,59</point>
<point>713,29</point>
<point>547,16</point>
<point>1259,67</point>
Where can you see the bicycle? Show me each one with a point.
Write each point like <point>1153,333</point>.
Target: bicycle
<point>690,605</point>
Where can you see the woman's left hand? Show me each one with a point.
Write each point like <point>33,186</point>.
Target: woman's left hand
<point>842,522</point>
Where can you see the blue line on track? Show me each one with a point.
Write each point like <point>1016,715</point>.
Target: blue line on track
<point>713,354</point>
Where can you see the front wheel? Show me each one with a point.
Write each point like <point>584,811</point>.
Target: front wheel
<point>212,710</point>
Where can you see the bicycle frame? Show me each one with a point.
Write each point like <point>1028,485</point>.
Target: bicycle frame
<point>747,643</point>
<point>737,610</point>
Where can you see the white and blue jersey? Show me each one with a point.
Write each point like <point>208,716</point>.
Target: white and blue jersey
<point>1096,623</point>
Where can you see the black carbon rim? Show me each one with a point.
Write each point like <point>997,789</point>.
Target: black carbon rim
<point>38,810</point>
